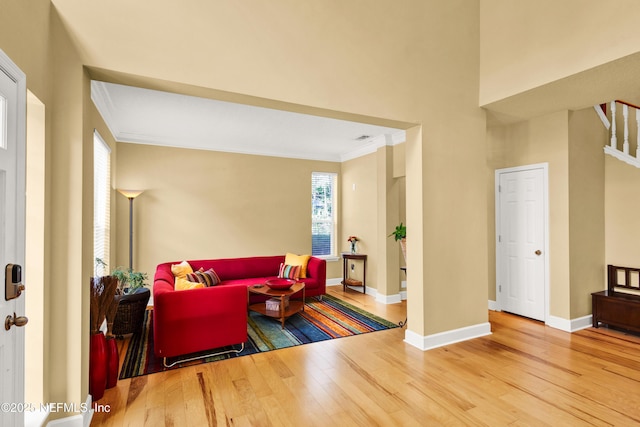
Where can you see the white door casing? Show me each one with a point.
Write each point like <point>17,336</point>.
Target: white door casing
<point>522,241</point>
<point>12,234</point>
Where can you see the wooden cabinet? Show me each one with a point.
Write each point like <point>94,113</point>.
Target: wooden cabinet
<point>616,309</point>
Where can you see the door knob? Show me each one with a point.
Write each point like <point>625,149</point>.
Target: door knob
<point>538,252</point>
<point>15,320</point>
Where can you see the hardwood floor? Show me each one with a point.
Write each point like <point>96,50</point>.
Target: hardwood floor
<point>523,374</point>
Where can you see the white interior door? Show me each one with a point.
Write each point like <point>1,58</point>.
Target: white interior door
<point>521,242</point>
<point>12,235</point>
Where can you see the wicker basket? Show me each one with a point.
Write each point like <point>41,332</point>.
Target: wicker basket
<point>130,314</point>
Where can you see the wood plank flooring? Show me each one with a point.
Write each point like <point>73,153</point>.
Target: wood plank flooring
<point>523,374</point>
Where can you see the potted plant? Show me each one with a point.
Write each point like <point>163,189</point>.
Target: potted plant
<point>133,296</point>
<point>129,281</point>
<point>400,235</point>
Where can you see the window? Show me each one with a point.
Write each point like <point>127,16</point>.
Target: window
<point>323,214</point>
<point>101,201</point>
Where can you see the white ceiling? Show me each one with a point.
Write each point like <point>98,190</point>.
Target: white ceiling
<point>144,116</point>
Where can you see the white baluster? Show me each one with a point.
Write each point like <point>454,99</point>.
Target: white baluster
<point>638,134</point>
<point>614,139</point>
<point>625,114</point>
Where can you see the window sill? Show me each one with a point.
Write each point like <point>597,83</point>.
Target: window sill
<point>327,258</point>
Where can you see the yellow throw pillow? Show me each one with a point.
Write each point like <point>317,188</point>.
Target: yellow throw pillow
<point>301,260</point>
<point>183,284</point>
<point>181,270</point>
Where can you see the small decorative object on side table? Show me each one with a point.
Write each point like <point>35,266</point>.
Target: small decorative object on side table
<point>353,241</point>
<point>285,310</point>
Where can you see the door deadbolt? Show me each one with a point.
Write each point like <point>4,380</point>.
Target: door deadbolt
<point>15,320</point>
<point>12,282</point>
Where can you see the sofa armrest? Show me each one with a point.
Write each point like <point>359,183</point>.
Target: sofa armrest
<point>317,269</point>
<point>198,319</point>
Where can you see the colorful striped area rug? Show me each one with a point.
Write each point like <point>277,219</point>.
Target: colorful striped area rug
<point>320,320</point>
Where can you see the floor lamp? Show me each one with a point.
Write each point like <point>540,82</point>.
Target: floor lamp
<point>130,194</point>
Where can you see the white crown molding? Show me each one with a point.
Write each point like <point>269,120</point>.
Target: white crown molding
<point>125,138</point>
<point>369,148</point>
<point>375,143</point>
<point>398,137</point>
<point>101,97</point>
<point>104,104</point>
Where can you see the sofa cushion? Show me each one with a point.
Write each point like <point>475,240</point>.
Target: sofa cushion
<point>208,278</point>
<point>182,269</point>
<point>289,271</point>
<point>301,260</point>
<point>182,284</point>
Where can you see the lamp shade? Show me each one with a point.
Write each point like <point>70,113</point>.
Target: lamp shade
<point>130,194</point>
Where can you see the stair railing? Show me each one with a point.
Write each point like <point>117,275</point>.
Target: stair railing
<point>612,148</point>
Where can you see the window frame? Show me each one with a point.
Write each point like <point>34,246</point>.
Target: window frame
<point>101,203</point>
<point>331,220</point>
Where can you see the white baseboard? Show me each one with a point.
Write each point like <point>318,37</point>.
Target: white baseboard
<point>35,418</point>
<point>388,299</point>
<point>558,322</point>
<point>567,325</point>
<point>385,299</point>
<point>448,337</point>
<point>83,419</point>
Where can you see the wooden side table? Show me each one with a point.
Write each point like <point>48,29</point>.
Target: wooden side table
<point>346,281</point>
<point>294,307</point>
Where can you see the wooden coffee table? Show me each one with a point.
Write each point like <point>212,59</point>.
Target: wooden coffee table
<point>294,307</point>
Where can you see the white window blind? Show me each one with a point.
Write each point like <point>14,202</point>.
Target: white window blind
<point>101,201</point>
<point>323,214</point>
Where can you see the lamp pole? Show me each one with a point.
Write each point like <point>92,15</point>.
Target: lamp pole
<point>130,233</point>
<point>130,194</point>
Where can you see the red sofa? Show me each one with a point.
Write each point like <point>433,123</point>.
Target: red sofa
<point>195,320</point>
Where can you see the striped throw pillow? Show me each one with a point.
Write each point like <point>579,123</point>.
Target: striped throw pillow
<point>208,278</point>
<point>289,271</point>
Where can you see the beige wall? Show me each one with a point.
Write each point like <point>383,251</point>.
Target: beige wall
<point>35,250</point>
<point>571,143</point>
<point>527,44</point>
<point>621,213</point>
<point>409,64</point>
<point>587,136</point>
<point>370,202</point>
<point>359,211</point>
<point>204,204</point>
<point>539,140</point>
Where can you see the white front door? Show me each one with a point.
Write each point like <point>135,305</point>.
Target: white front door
<point>12,236</point>
<point>521,256</point>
